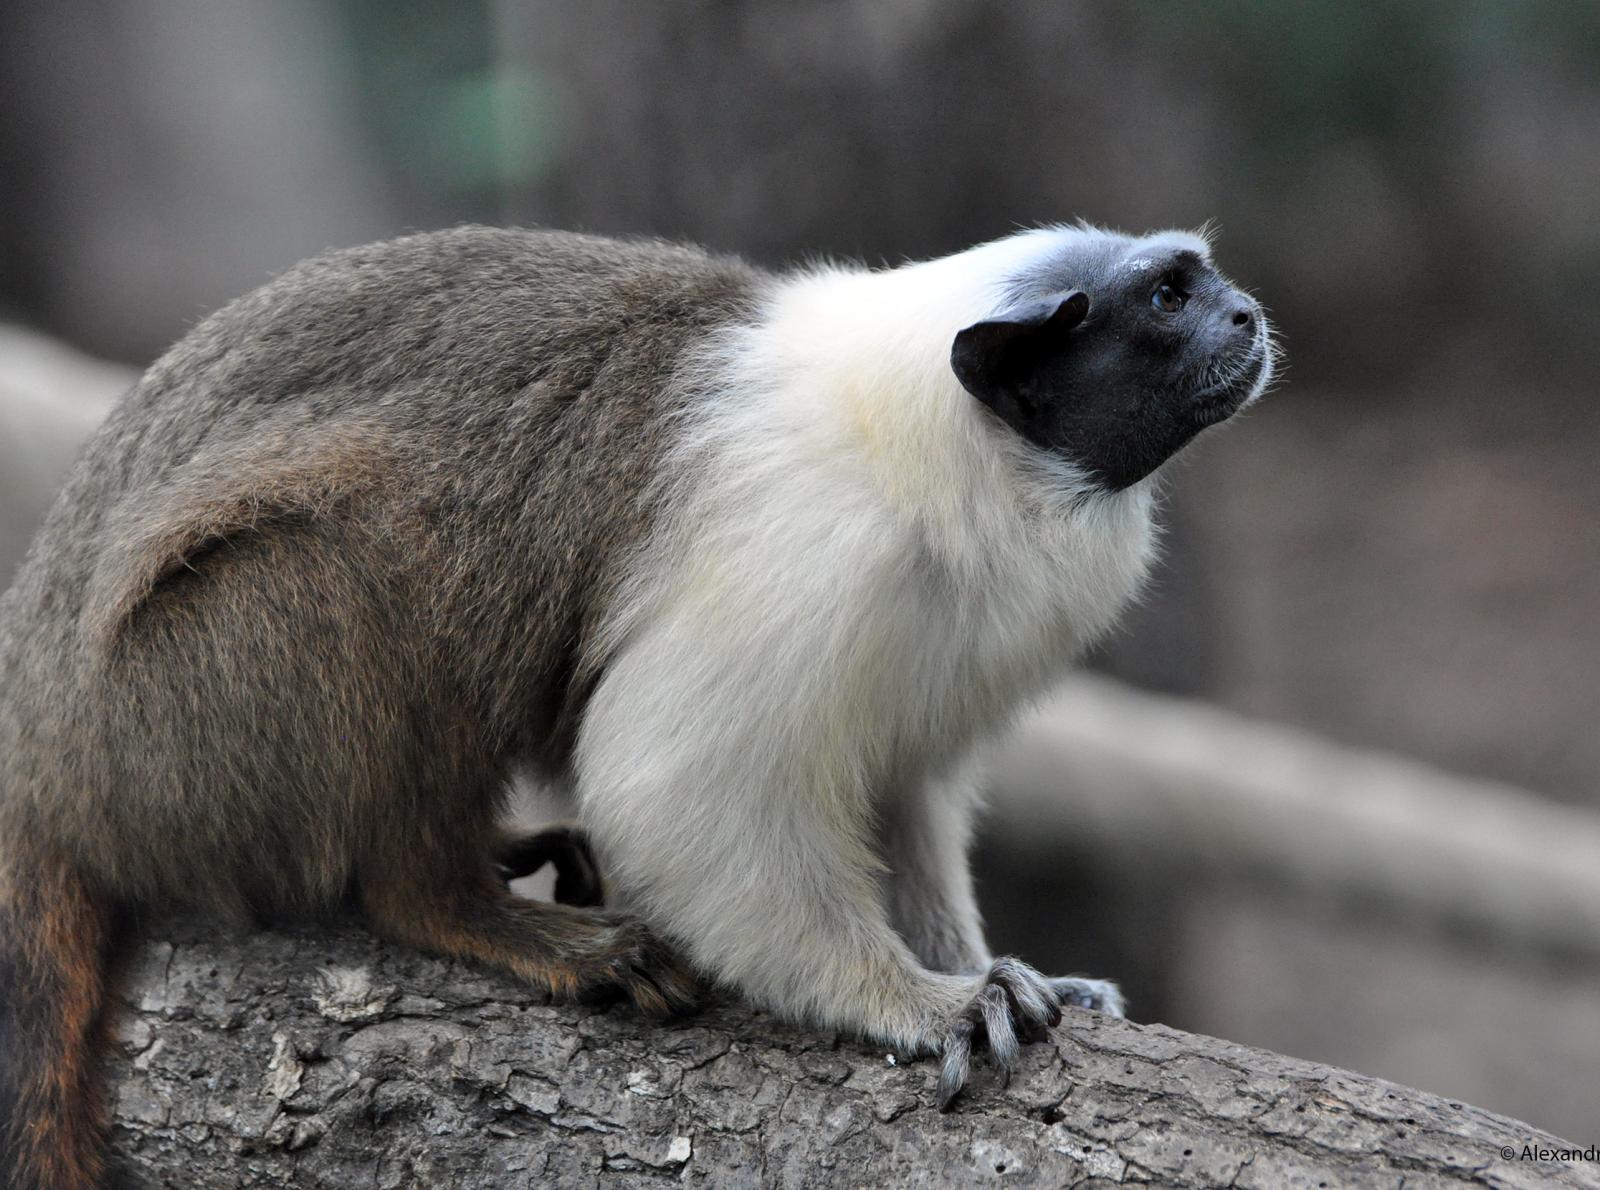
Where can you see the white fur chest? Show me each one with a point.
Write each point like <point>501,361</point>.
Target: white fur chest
<point>862,571</point>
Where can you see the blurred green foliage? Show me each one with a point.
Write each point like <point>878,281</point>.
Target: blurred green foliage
<point>460,122</point>
<point>1294,76</point>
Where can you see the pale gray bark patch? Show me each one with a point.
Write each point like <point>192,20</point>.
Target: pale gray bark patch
<point>321,1057</point>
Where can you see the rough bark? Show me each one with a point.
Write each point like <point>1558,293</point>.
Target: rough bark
<point>322,1057</point>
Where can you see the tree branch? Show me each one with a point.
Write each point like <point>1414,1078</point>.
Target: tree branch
<point>322,1057</point>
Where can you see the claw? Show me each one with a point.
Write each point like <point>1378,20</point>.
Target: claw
<point>1030,995</point>
<point>1014,1002</point>
<point>997,1014</point>
<point>957,1059</point>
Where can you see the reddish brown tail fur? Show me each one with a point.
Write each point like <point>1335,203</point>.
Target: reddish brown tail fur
<point>55,953</point>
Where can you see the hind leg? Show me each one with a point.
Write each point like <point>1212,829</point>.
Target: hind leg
<point>565,846</point>
<point>571,952</point>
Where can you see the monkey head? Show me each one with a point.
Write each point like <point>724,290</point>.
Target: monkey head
<point>1113,352</point>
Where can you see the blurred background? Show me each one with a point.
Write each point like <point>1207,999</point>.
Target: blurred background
<point>1397,553</point>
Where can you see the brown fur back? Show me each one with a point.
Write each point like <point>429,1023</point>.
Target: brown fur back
<point>341,550</point>
<point>325,574</point>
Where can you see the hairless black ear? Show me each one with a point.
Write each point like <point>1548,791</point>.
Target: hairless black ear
<point>992,356</point>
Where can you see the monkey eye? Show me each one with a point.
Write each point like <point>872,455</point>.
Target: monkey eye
<point>1167,299</point>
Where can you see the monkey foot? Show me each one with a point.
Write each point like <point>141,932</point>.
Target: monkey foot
<point>630,959</point>
<point>1016,1004</point>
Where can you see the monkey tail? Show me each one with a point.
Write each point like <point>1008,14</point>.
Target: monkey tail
<point>55,955</point>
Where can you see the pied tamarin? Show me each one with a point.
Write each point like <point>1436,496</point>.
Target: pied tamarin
<point>751,561</point>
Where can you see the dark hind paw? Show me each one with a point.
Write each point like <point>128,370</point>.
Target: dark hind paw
<point>633,960</point>
<point>563,845</point>
<point>1015,1005</point>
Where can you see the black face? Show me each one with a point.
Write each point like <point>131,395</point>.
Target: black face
<point>1115,357</point>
